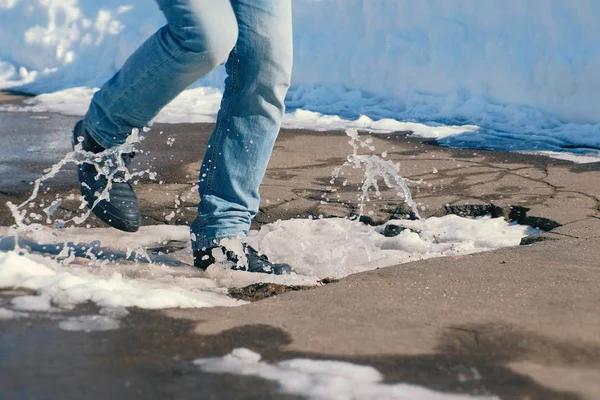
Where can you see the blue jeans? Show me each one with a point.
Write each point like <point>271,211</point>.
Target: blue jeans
<point>254,40</point>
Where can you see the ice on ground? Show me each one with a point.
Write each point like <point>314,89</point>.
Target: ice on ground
<point>322,380</point>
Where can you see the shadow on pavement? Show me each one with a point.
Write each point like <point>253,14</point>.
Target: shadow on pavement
<point>150,357</point>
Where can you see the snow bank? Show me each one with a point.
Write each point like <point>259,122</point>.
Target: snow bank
<point>540,53</point>
<point>54,44</point>
<point>524,71</point>
<point>520,67</point>
<point>200,105</point>
<point>451,58</point>
<point>322,380</point>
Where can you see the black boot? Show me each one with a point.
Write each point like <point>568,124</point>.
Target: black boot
<point>122,210</point>
<point>256,262</point>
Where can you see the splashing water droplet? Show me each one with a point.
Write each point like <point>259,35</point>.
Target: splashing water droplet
<point>108,163</point>
<point>375,168</point>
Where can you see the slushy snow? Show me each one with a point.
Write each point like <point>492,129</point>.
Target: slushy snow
<point>89,323</point>
<point>64,287</point>
<point>524,73</point>
<point>322,380</point>
<point>114,276</point>
<point>67,265</point>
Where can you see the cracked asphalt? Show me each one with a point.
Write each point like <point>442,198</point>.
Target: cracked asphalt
<point>527,319</point>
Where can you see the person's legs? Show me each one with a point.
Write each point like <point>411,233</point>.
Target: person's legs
<point>259,71</point>
<point>198,36</point>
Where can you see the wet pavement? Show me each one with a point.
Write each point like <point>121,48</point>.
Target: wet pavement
<point>151,356</point>
<point>30,143</point>
<point>521,323</point>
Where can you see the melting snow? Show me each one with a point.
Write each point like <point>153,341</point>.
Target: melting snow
<point>322,380</point>
<point>114,277</point>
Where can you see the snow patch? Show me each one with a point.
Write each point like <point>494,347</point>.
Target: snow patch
<point>310,120</point>
<point>88,323</point>
<point>6,314</point>
<point>60,285</point>
<point>114,277</point>
<point>335,247</point>
<point>574,158</point>
<point>322,380</point>
<point>200,105</point>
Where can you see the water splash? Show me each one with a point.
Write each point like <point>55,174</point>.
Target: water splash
<point>108,163</point>
<point>375,168</point>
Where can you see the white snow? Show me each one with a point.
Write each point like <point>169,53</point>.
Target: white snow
<point>10,314</point>
<point>514,75</point>
<point>200,105</point>
<point>88,323</point>
<point>66,286</point>
<point>336,247</point>
<point>322,380</point>
<point>62,286</point>
<point>524,72</point>
<point>32,303</point>
<point>316,248</point>
<point>574,158</point>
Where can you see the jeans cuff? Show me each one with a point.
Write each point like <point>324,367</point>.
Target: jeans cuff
<point>103,140</point>
<point>203,242</point>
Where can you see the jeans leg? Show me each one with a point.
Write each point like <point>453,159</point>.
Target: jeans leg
<point>259,72</point>
<point>198,36</point>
